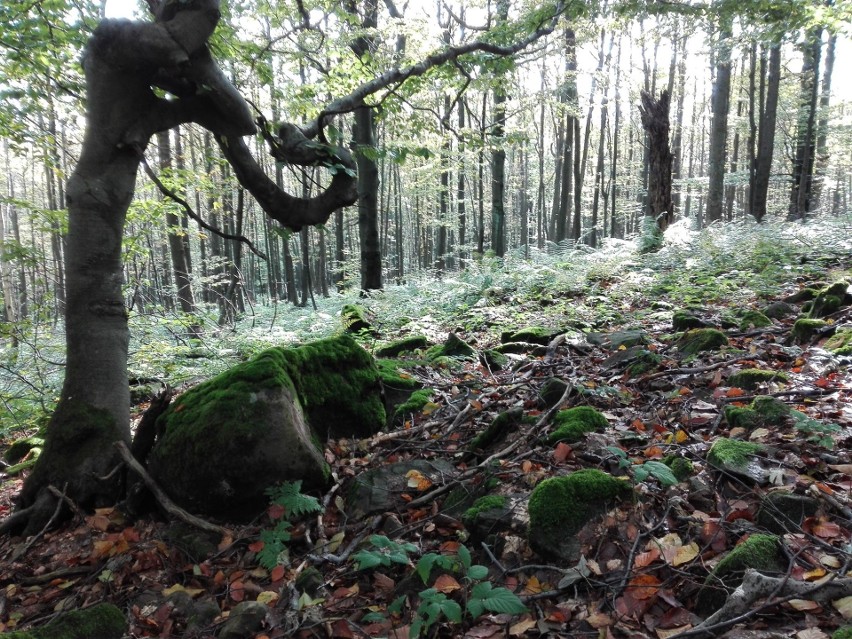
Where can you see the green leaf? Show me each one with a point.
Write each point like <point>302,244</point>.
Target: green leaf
<point>485,596</point>
<point>369,559</point>
<point>661,472</point>
<point>396,606</point>
<point>424,566</point>
<point>451,610</point>
<point>464,556</point>
<point>477,572</point>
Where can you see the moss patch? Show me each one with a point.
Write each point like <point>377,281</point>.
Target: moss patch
<point>414,404</point>
<point>701,339</point>
<point>21,448</point>
<point>392,374</point>
<point>531,335</point>
<point>681,467</point>
<point>453,348</point>
<point>805,329</point>
<point>685,320</point>
<point>570,425</point>
<point>842,633</point>
<point>760,552</point>
<point>488,502</point>
<point>754,319</point>
<point>356,320</point>
<point>829,300</point>
<point>560,506</point>
<point>497,429</point>
<point>840,343</point>
<point>404,345</point>
<point>102,621</point>
<point>751,378</point>
<point>731,452</point>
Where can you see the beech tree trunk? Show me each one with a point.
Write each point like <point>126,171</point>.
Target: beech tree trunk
<point>655,119</point>
<point>720,105</point>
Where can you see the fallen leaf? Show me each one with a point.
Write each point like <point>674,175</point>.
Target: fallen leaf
<point>685,554</point>
<point>520,628</point>
<point>561,452</point>
<point>418,480</point>
<point>804,605</point>
<point>645,558</point>
<point>268,597</point>
<point>533,586</point>
<point>844,606</point>
<point>277,573</point>
<point>665,633</point>
<point>644,586</point>
<point>446,584</point>
<point>811,633</point>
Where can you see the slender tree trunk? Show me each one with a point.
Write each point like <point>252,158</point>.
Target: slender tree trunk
<point>803,163</point>
<point>821,160</point>
<point>720,105</point>
<point>659,213</point>
<point>766,135</point>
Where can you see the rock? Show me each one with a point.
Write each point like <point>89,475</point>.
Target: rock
<point>803,295</point>
<point>782,511</point>
<point>840,343</point>
<point>453,348</point>
<point>760,552</point>
<point>572,424</point>
<point>779,310</point>
<point>763,411</point>
<point>552,391</point>
<point>497,430</point>
<point>532,335</point>
<point>356,320</point>
<point>228,439</point>
<point>493,360</point>
<point>101,621</point>
<point>686,320</point>
<point>754,319</point>
<point>751,378</point>
<point>521,348</point>
<point>830,299</point>
<point>804,330</point>
<point>404,345</point>
<point>246,620</point>
<point>701,339</point>
<point>738,458</point>
<point>494,513</point>
<point>560,507</point>
<point>637,360</point>
<point>380,490</point>
<point>617,339</point>
<point>412,406</point>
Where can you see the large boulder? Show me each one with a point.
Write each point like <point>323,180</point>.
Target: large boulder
<point>262,422</point>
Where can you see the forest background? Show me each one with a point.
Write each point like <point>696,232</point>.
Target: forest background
<point>487,158</point>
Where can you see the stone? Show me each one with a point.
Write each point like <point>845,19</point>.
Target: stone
<point>380,490</point>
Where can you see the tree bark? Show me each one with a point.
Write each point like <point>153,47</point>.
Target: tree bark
<point>720,105</point>
<point>803,161</point>
<point>655,119</point>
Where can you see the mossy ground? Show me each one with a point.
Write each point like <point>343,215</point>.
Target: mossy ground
<point>842,633</point>
<point>453,348</point>
<point>571,424</point>
<point>414,404</point>
<point>754,319</point>
<point>488,502</point>
<point>804,330</point>
<point>564,504</point>
<point>404,345</point>
<point>531,334</point>
<point>681,467</point>
<point>840,343</point>
<point>102,621</point>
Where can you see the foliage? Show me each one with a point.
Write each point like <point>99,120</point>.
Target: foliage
<point>666,474</point>
<point>384,552</point>
<point>288,503</point>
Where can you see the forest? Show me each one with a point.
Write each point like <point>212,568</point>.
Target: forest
<point>398,319</point>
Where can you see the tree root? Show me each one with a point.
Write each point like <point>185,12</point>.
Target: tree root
<point>738,607</point>
<point>168,505</point>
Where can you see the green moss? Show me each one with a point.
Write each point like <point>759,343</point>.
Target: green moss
<point>563,505</point>
<point>497,429</point>
<point>414,404</point>
<point>392,375</point>
<point>493,359</point>
<point>572,424</point>
<point>701,339</point>
<point>102,621</point>
<point>488,502</point>
<point>754,319</point>
<point>681,467</point>
<point>760,552</point>
<point>531,335</point>
<point>645,361</point>
<point>751,378</point>
<point>20,448</point>
<point>829,300</point>
<point>840,343</point>
<point>842,633</point>
<point>684,320</point>
<point>770,409</point>
<point>406,344</point>
<point>804,330</point>
<point>741,417</point>
<point>804,295</point>
<point>454,347</point>
<point>731,452</point>
<point>552,391</point>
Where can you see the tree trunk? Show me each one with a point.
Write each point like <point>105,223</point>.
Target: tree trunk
<point>368,201</point>
<point>803,162</point>
<point>659,212</point>
<point>766,136</point>
<point>720,105</point>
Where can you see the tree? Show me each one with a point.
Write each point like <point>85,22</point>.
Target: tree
<point>659,212</point>
<point>720,104</point>
<point>128,66</point>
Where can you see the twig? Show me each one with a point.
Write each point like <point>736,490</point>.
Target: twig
<point>342,557</point>
<point>168,505</point>
<point>693,371</point>
<point>628,569</point>
<point>494,559</point>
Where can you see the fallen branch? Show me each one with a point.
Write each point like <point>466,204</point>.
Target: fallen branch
<point>693,371</point>
<point>755,586</point>
<point>168,505</point>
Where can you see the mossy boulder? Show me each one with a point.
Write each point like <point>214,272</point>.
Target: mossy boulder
<point>806,294</point>
<point>840,343</point>
<point>764,410</point>
<point>754,319</point>
<point>737,457</point>
<point>498,429</point>
<point>570,425</point>
<point>453,348</point>
<point>357,320</point>
<point>804,330</point>
<point>531,335</point>
<point>779,310</point>
<point>260,423</point>
<point>486,513</point>
<point>413,405</point>
<point>830,299</point>
<point>686,320</point>
<point>404,345</point>
<point>493,359</point>
<point>758,552</point>
<point>781,511</point>
<point>552,391</point>
<point>618,339</point>
<point>701,339</point>
<point>681,467</point>
<point>560,507</point>
<point>635,360</point>
<point>23,448</point>
<point>101,621</point>
<point>751,378</point>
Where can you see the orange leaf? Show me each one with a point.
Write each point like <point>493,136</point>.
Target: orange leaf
<point>645,558</point>
<point>735,392</point>
<point>644,586</point>
<point>238,592</point>
<point>685,391</point>
<point>638,425</point>
<point>562,451</point>
<point>681,436</point>
<point>418,480</point>
<point>446,584</point>
<point>277,573</point>
<point>275,511</point>
<point>653,452</point>
<point>256,546</point>
<point>533,586</point>
<point>526,466</point>
<point>827,530</point>
<point>822,382</point>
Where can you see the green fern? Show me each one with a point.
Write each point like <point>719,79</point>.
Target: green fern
<point>288,495</point>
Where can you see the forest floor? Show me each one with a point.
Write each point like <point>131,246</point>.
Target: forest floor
<point>643,563</point>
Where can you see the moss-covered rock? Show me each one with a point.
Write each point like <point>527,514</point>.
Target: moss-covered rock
<point>498,429</point>
<point>102,621</point>
<point>481,505</point>
<point>701,339</point>
<point>829,300</point>
<point>751,378</point>
<point>228,439</point>
<point>521,348</point>
<point>741,417</point>
<point>404,345</point>
<point>805,329</point>
<point>754,319</point>
<point>493,359</point>
<point>560,506</point>
<point>779,310</point>
<point>356,320</point>
<point>738,458</point>
<point>686,320</point>
<point>772,411</point>
<point>384,488</point>
<point>531,334</point>
<point>453,348</point>
<point>24,447</point>
<point>552,391</point>
<point>842,633</point>
<point>840,343</point>
<point>570,425</point>
<point>413,405</point>
<point>807,294</point>
<point>760,552</point>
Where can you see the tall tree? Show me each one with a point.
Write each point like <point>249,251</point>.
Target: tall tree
<point>770,82</point>
<point>805,143</point>
<point>659,212</point>
<point>498,154</point>
<point>720,105</point>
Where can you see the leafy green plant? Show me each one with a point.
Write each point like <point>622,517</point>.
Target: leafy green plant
<point>641,472</point>
<point>384,552</point>
<point>817,432</point>
<point>288,503</point>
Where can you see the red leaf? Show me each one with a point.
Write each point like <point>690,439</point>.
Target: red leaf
<point>562,452</point>
<point>256,546</point>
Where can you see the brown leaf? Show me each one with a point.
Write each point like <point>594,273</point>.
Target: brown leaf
<point>446,584</point>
